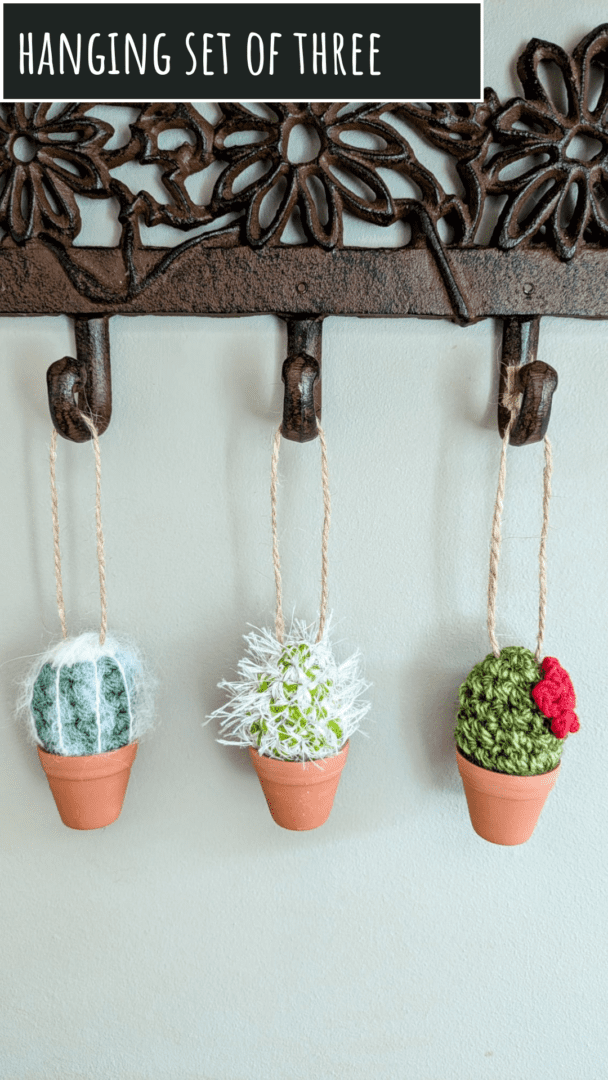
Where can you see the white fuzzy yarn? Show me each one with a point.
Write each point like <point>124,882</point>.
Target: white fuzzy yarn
<point>86,648</point>
<point>265,691</point>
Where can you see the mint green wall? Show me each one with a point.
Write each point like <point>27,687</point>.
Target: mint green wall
<point>193,939</point>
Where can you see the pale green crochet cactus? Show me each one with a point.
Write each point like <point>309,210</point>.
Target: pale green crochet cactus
<point>87,699</point>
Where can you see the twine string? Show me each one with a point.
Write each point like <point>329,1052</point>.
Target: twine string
<point>56,547</point>
<point>542,554</point>
<point>512,401</point>
<point>279,622</point>
<point>325,534</point>
<point>101,560</point>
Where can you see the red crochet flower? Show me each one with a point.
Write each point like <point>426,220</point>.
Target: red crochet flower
<point>555,698</point>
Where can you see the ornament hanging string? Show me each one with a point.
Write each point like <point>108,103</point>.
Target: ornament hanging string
<point>512,401</point>
<point>101,560</point>
<point>279,619</point>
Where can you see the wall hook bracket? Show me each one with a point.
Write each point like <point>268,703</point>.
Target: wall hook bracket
<point>231,263</point>
<point>534,379</point>
<point>84,384</point>
<point>302,377</point>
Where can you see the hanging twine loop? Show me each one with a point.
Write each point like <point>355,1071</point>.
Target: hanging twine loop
<point>511,402</point>
<point>56,547</point>
<point>101,559</point>
<point>279,622</point>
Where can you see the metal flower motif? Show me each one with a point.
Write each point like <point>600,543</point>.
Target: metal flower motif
<point>463,130</point>
<point>176,166</point>
<point>46,158</point>
<point>459,128</point>
<point>338,175</point>
<point>560,150</point>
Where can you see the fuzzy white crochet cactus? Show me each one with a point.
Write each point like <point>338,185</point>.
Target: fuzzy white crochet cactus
<point>292,701</point>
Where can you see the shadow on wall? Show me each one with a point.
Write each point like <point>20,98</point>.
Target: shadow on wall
<point>30,363</point>
<point>433,676</point>
<point>430,690</point>
<point>256,405</point>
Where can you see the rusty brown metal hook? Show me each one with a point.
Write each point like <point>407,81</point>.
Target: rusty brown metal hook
<point>302,377</point>
<point>84,384</point>
<point>534,379</point>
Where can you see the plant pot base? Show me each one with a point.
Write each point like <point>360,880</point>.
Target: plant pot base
<point>503,808</point>
<point>89,791</point>
<point>299,794</point>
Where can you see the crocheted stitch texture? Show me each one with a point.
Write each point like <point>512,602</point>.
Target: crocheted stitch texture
<point>499,726</point>
<point>83,698</point>
<point>556,699</point>
<point>293,701</point>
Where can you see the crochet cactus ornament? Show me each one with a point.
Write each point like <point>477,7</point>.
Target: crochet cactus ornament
<point>515,714</point>
<point>89,694</point>
<point>85,698</point>
<point>292,700</point>
<point>515,711</point>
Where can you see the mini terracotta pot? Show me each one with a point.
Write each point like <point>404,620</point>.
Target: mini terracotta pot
<point>503,808</point>
<point>89,790</point>
<point>299,794</point>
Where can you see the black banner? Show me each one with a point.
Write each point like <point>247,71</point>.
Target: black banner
<point>242,52</point>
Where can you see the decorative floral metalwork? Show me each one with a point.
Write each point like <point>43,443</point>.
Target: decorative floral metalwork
<point>194,154</point>
<point>462,130</point>
<point>562,146</point>
<point>546,152</point>
<point>315,185</point>
<point>45,160</point>
<point>545,155</point>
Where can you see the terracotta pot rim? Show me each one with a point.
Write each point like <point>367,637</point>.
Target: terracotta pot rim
<point>87,766</point>
<point>505,785</point>
<point>298,772</point>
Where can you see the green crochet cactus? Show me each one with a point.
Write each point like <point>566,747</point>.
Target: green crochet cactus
<point>499,726</point>
<point>85,706</point>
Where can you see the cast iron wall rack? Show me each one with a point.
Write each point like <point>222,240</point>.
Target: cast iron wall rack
<point>536,166</point>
